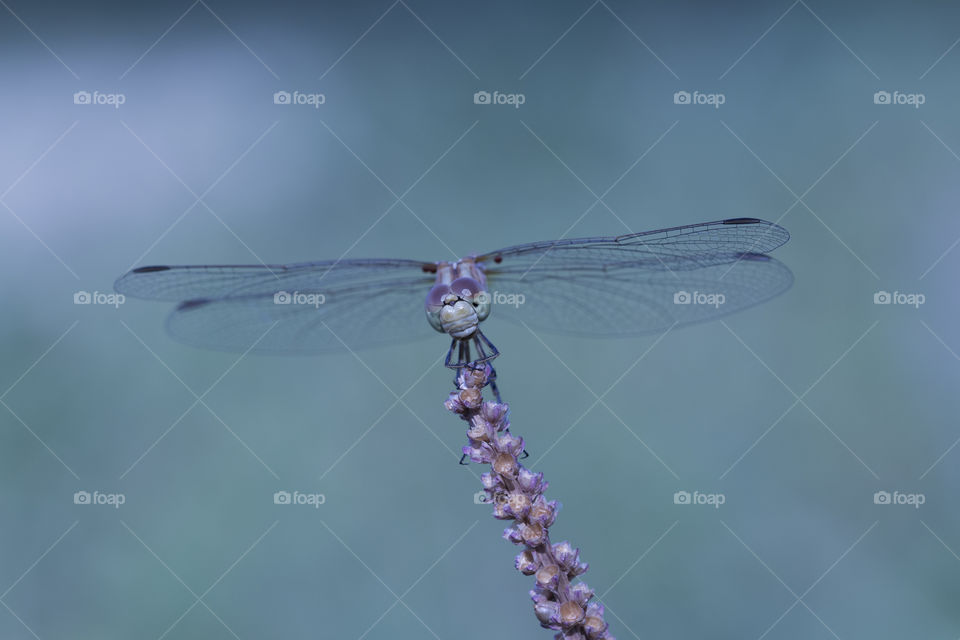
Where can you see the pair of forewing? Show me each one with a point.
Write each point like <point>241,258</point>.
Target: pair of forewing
<point>622,285</point>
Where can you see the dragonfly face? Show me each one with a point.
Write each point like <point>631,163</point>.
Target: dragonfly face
<point>459,300</point>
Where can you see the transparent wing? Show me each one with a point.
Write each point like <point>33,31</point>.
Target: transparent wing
<point>635,299</point>
<point>176,284</point>
<point>678,248</point>
<point>346,318</point>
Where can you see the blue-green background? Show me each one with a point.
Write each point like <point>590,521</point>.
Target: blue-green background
<point>85,399</point>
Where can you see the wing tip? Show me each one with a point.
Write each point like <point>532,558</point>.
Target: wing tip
<point>187,305</point>
<point>151,269</point>
<point>772,225</point>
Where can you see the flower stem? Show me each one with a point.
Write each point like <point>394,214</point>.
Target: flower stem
<point>516,494</point>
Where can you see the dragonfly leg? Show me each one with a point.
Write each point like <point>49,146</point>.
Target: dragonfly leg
<point>446,361</point>
<point>492,381</point>
<point>483,344</point>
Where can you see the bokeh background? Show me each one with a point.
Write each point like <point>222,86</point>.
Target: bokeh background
<point>797,411</point>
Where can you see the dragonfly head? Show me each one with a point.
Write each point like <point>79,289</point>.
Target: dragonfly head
<point>457,308</point>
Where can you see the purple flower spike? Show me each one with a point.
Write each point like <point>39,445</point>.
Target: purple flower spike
<point>516,493</point>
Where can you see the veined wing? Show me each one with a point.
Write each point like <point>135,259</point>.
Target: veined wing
<point>305,308</point>
<point>347,318</point>
<point>678,248</point>
<point>635,299</point>
<point>180,283</point>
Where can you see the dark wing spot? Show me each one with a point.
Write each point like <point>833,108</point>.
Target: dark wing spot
<point>498,259</point>
<point>150,269</point>
<point>742,221</point>
<point>429,268</point>
<point>756,257</point>
<point>192,304</point>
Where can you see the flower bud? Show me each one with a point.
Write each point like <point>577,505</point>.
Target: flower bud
<point>490,480</point>
<point>472,378</point>
<point>513,535</point>
<point>571,613</point>
<point>533,534</point>
<point>543,513</point>
<point>471,397</point>
<point>493,412</point>
<point>565,554</point>
<point>548,613</point>
<point>548,576</point>
<point>500,510</point>
<point>518,504</point>
<point>581,593</point>
<point>505,441</point>
<point>505,464</point>
<point>529,481</point>
<point>538,594</point>
<point>526,563</point>
<point>594,626</point>
<point>480,429</point>
<point>478,452</point>
<point>453,403</point>
<point>577,569</point>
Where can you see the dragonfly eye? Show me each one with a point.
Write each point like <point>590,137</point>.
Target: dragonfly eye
<point>466,288</point>
<point>436,295</point>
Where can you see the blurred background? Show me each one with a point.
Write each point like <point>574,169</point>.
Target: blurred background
<point>137,475</point>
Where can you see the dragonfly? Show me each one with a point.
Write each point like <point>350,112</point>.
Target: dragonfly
<point>626,285</point>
